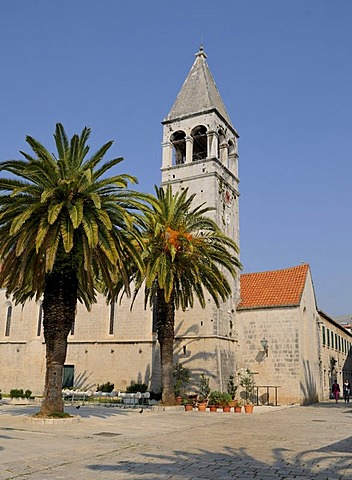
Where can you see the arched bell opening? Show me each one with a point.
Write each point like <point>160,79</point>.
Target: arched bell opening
<point>221,141</point>
<point>178,140</point>
<point>200,150</point>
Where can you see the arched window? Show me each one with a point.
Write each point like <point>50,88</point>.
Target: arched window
<point>40,320</point>
<point>178,140</point>
<point>112,317</point>
<point>221,140</point>
<point>8,321</point>
<point>232,147</point>
<point>200,142</point>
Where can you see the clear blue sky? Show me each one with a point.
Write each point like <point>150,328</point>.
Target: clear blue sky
<point>283,69</point>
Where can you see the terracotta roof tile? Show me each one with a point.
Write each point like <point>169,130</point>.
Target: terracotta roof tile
<point>277,288</point>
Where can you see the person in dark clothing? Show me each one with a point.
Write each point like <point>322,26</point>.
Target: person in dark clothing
<point>335,389</point>
<point>346,390</point>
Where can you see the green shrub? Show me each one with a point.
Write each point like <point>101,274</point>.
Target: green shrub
<point>225,399</point>
<point>28,394</point>
<point>215,397</point>
<point>204,389</point>
<point>137,387</point>
<point>231,386</point>
<point>105,387</point>
<point>181,379</point>
<point>16,393</point>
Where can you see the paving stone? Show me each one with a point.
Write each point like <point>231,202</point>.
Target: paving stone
<point>272,444</point>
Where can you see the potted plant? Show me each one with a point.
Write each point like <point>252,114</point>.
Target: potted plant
<point>246,381</point>
<point>224,401</point>
<point>188,406</point>
<point>214,400</point>
<point>232,390</point>
<point>182,376</point>
<point>204,391</point>
<point>238,406</point>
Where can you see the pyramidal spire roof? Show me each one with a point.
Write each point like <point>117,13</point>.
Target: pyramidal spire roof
<point>198,93</point>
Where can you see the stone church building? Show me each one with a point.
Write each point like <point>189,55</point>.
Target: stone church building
<point>270,325</point>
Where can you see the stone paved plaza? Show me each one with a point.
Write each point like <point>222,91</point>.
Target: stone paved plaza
<point>312,442</point>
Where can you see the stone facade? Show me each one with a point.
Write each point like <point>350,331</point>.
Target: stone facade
<point>112,343</point>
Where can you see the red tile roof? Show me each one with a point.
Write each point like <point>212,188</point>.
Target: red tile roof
<point>277,288</point>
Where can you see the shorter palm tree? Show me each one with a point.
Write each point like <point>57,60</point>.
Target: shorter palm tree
<point>185,254</point>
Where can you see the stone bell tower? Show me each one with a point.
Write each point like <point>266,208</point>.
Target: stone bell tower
<point>200,153</point>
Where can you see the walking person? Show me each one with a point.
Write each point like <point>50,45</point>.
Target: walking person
<point>335,389</point>
<point>346,390</point>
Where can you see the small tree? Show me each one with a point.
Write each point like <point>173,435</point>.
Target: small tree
<point>232,387</point>
<point>246,380</point>
<point>204,389</point>
<point>182,376</point>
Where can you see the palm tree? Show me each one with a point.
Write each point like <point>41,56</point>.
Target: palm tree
<point>64,225</point>
<point>185,253</point>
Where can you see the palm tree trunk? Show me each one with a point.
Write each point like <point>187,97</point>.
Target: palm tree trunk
<point>166,334</point>
<point>59,309</point>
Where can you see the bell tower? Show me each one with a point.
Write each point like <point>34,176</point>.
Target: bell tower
<point>200,152</point>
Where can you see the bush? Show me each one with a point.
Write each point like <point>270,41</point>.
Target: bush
<point>105,387</point>
<point>204,389</point>
<point>137,387</point>
<point>181,379</point>
<point>231,387</point>
<point>225,399</point>
<point>16,393</point>
<point>28,394</point>
<point>215,397</point>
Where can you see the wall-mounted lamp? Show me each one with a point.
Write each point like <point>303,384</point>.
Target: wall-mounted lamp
<point>140,351</point>
<point>265,344</point>
<point>112,351</point>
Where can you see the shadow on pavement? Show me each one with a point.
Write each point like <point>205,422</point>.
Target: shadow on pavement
<point>234,463</point>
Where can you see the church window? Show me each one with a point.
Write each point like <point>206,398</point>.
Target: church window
<point>323,334</point>
<point>328,337</point>
<point>8,321</point>
<point>200,141</point>
<point>40,320</point>
<point>154,318</point>
<point>178,140</point>
<point>112,317</point>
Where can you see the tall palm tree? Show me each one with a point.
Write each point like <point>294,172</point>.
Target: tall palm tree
<point>185,254</point>
<point>64,225</point>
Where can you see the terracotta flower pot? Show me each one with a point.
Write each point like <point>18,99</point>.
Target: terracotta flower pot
<point>248,408</point>
<point>188,407</point>
<point>213,408</point>
<point>226,408</point>
<point>202,407</point>
<point>238,409</point>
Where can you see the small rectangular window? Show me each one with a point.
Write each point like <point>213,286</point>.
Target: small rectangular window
<point>68,376</point>
<point>323,334</point>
